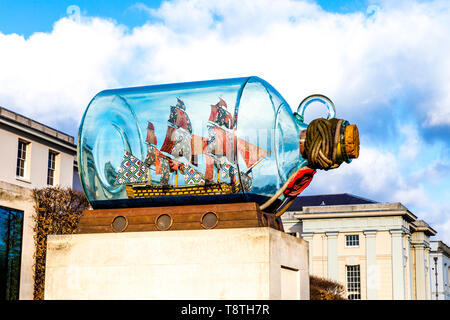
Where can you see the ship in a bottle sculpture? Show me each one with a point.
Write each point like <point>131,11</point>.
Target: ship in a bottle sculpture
<point>208,142</point>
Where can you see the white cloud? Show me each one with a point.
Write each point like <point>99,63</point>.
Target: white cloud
<point>376,172</point>
<point>362,62</point>
<point>52,76</point>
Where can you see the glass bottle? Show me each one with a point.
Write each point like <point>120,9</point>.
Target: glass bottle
<point>229,140</point>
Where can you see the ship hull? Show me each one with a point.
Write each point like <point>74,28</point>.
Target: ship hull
<point>142,191</point>
<point>161,201</point>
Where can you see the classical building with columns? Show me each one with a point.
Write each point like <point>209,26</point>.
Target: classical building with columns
<point>376,250</point>
<point>440,270</point>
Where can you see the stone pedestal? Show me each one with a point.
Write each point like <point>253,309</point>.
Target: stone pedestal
<point>238,263</point>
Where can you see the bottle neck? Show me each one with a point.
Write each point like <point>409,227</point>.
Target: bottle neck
<point>344,144</point>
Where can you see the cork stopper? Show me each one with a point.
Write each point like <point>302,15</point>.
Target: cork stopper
<point>351,140</point>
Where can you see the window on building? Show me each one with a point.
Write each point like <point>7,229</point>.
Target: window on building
<point>21,158</point>
<point>11,225</point>
<point>352,240</point>
<point>51,168</point>
<point>353,282</point>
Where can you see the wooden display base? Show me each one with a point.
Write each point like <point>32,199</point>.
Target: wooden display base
<point>195,217</point>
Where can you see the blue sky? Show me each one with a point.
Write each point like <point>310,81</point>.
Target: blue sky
<point>26,16</point>
<point>385,64</point>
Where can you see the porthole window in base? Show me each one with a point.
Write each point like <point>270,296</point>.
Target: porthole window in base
<point>164,222</point>
<point>119,224</point>
<point>209,220</point>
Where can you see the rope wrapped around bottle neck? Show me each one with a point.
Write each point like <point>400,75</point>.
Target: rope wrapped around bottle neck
<point>322,147</point>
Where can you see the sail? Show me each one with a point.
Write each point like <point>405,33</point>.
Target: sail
<point>216,142</point>
<point>218,148</point>
<point>220,116</point>
<point>169,141</point>
<point>220,136</point>
<point>250,153</point>
<point>151,137</point>
<point>131,170</point>
<point>193,176</point>
<point>178,116</point>
<point>179,132</point>
<point>163,164</point>
<point>198,145</point>
<point>182,145</point>
<point>220,142</point>
<point>177,143</point>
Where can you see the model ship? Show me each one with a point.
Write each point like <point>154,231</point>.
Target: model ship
<point>179,156</point>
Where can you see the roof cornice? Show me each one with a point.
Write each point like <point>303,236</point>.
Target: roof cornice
<point>38,133</point>
<point>355,211</point>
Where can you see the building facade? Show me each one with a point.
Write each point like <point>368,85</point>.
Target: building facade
<point>440,270</point>
<point>376,250</point>
<point>33,156</point>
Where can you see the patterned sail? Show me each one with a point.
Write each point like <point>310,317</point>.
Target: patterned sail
<point>193,176</point>
<point>179,132</point>
<point>219,151</point>
<point>163,164</point>
<point>220,115</point>
<point>219,144</point>
<point>131,170</point>
<point>179,142</point>
<point>178,116</point>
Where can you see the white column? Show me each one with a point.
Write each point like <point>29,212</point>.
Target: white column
<point>419,249</point>
<point>427,271</point>
<point>446,284</point>
<point>308,236</point>
<point>371,265</point>
<point>332,255</point>
<point>435,279</point>
<point>410,293</point>
<point>398,278</point>
<point>447,287</point>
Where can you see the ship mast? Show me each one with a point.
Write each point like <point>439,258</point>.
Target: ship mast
<point>152,142</point>
<point>178,136</point>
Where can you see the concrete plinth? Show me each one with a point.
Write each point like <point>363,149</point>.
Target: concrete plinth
<point>244,263</point>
